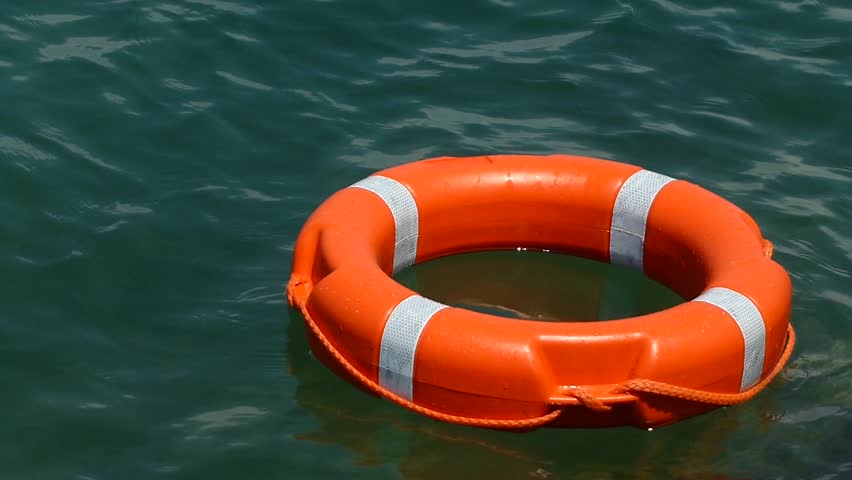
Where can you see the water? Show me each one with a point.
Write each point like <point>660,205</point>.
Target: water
<point>159,158</point>
<point>535,285</point>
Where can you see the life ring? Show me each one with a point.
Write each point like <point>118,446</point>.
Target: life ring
<point>721,347</point>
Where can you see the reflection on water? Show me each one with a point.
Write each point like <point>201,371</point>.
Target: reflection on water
<point>538,285</point>
<point>524,285</point>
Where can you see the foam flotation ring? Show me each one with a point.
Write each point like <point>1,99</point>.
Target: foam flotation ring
<point>721,347</point>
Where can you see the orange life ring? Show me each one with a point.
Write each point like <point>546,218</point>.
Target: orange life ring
<point>455,365</point>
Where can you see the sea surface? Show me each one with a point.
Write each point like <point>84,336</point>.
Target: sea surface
<point>158,158</point>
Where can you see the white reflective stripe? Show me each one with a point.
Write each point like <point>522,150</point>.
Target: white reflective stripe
<point>405,216</point>
<point>399,343</point>
<point>630,217</point>
<point>750,321</point>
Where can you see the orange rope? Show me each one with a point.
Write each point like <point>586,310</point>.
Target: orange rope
<point>660,388</point>
<point>768,248</point>
<point>585,398</point>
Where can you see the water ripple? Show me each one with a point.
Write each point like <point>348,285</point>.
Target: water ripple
<point>839,14</point>
<point>667,127</point>
<point>813,414</point>
<point>52,19</point>
<point>800,206</point>
<point>119,208</point>
<point>163,14</point>
<point>178,85</point>
<point>230,7</point>
<point>615,14</point>
<point>774,56</point>
<point>794,7</point>
<point>785,163</point>
<point>243,82</point>
<point>12,33</point>
<point>16,147</point>
<point>673,7</point>
<point>844,241</point>
<point>93,49</point>
<point>241,37</point>
<point>230,417</point>
<point>839,297</point>
<point>622,64</point>
<point>324,99</point>
<point>515,51</point>
<point>736,121</point>
<point>251,194</point>
<point>56,136</point>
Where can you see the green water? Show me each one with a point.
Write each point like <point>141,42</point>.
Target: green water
<point>534,285</point>
<point>157,160</point>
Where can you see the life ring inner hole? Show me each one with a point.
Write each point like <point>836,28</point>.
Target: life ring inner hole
<point>538,285</point>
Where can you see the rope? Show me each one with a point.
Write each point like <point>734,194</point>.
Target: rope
<point>587,399</point>
<point>584,397</point>
<point>668,390</point>
<point>768,248</point>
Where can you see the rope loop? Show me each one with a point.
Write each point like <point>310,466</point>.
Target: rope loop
<point>587,399</point>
